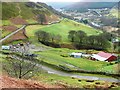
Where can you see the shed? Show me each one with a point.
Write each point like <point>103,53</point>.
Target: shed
<point>76,55</point>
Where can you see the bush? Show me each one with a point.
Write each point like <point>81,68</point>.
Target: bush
<point>64,68</point>
<point>64,55</point>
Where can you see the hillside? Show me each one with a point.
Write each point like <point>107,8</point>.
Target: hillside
<point>9,82</point>
<point>14,15</point>
<point>84,6</point>
<point>62,29</point>
<point>27,11</point>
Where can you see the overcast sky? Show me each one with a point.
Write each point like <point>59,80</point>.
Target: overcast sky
<point>74,0</point>
<point>60,0</point>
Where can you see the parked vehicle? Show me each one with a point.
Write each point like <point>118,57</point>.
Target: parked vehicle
<point>31,55</point>
<point>5,47</point>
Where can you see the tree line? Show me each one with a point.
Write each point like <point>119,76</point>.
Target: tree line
<point>81,41</point>
<point>48,38</point>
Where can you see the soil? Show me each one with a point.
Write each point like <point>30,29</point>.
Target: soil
<point>9,28</point>
<point>18,21</point>
<point>18,36</point>
<point>52,18</point>
<point>9,82</point>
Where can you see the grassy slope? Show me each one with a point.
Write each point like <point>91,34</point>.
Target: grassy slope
<point>65,81</point>
<point>12,10</point>
<point>62,29</point>
<point>53,56</point>
<point>19,9</point>
<point>52,79</point>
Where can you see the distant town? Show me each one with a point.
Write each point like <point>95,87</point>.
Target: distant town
<point>97,18</point>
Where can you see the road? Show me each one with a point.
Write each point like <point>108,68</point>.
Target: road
<point>21,28</point>
<point>87,77</point>
<point>62,73</point>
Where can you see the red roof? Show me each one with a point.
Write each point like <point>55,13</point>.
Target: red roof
<point>105,55</point>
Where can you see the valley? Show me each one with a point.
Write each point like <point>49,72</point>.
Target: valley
<point>57,52</point>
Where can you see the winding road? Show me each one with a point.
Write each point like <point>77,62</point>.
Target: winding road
<point>87,77</point>
<point>62,73</point>
<point>19,29</point>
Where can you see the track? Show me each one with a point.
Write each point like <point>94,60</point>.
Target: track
<point>19,29</point>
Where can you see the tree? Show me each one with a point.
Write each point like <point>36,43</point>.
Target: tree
<point>107,35</point>
<point>57,38</point>
<point>72,35</point>
<point>80,37</point>
<point>52,36</point>
<point>19,66</point>
<point>41,18</point>
<point>43,36</point>
<point>47,38</point>
<point>100,42</point>
<point>91,40</point>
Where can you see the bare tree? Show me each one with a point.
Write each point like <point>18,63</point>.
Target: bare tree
<point>19,65</point>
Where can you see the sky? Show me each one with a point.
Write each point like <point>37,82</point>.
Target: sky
<point>62,3</point>
<point>60,0</point>
<point>74,0</point>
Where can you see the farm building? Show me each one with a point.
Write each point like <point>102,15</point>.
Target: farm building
<point>76,55</point>
<point>102,56</point>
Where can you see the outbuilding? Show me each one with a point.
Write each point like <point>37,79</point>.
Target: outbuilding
<point>76,55</point>
<point>103,56</point>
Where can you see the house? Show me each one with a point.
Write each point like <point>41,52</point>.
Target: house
<point>5,47</point>
<point>76,55</point>
<point>103,56</point>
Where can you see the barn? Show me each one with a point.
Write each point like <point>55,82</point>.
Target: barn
<point>103,56</point>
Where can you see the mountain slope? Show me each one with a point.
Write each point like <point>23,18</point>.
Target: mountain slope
<point>62,28</point>
<point>25,10</point>
<point>16,14</point>
<point>83,6</point>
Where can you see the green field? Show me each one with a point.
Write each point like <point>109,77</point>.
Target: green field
<point>56,57</point>
<point>53,79</point>
<point>66,81</point>
<point>62,29</point>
